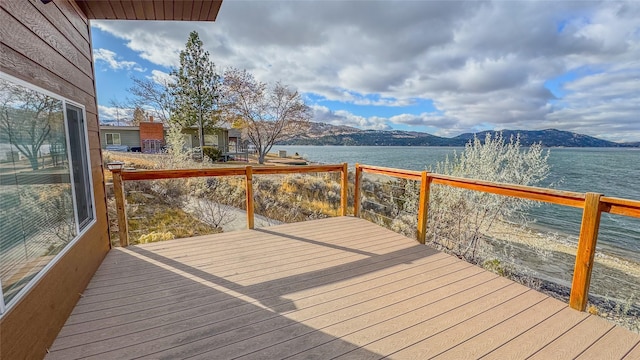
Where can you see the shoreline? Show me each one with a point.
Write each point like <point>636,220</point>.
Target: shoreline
<point>553,242</point>
<point>546,262</point>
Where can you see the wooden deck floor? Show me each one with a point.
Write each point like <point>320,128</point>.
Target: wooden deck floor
<point>333,288</point>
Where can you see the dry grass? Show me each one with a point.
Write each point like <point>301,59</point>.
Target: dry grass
<point>160,218</point>
<point>155,217</point>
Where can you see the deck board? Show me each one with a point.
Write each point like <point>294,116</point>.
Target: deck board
<point>527,343</point>
<point>633,354</point>
<point>331,288</point>
<point>614,345</point>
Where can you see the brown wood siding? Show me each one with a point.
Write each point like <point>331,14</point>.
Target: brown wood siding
<point>19,37</point>
<point>49,47</point>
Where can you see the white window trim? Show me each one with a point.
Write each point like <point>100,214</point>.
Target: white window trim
<point>106,138</point>
<point>88,153</point>
<point>5,307</point>
<point>2,306</point>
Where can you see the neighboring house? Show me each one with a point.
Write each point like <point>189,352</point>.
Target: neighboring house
<point>218,138</point>
<point>150,137</point>
<point>51,245</point>
<point>118,137</point>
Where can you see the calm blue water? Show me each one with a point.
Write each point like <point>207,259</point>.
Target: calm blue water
<point>610,171</point>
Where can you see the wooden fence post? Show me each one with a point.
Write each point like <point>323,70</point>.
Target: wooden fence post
<point>344,190</point>
<point>249,193</point>
<point>586,251</point>
<point>423,207</point>
<point>118,190</point>
<point>356,191</point>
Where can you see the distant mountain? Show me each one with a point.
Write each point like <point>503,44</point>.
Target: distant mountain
<point>317,129</point>
<point>549,138</point>
<point>351,136</point>
<point>327,134</point>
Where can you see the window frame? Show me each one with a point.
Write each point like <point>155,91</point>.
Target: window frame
<point>92,204</point>
<point>106,139</point>
<point>214,137</point>
<point>80,232</point>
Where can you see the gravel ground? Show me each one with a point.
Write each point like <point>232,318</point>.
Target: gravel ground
<point>229,218</point>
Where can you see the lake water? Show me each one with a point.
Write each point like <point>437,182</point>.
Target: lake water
<point>610,171</point>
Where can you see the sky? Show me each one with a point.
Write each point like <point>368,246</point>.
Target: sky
<point>442,67</point>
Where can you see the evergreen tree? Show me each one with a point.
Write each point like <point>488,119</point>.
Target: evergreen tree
<point>196,88</point>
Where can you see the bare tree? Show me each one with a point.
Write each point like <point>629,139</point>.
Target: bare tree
<point>27,119</point>
<point>265,114</point>
<point>148,94</point>
<point>213,213</point>
<point>123,110</point>
<point>139,116</point>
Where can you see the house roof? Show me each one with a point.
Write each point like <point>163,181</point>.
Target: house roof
<point>188,10</point>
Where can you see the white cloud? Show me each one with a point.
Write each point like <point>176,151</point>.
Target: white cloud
<point>424,119</point>
<point>160,77</point>
<point>111,59</point>
<point>113,114</point>
<point>482,64</point>
<point>604,105</point>
<point>342,117</point>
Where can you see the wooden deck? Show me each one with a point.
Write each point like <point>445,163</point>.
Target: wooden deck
<point>332,288</point>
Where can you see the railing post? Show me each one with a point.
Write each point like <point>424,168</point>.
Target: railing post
<point>586,251</point>
<point>344,190</point>
<point>423,207</point>
<point>118,190</point>
<point>249,193</point>
<point>356,191</point>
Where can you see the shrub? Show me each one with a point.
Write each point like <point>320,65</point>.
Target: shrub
<point>212,153</point>
<point>458,218</point>
<point>155,236</point>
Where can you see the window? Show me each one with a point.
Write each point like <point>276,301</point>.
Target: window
<point>46,198</point>
<point>112,138</point>
<point>211,139</point>
<point>80,165</point>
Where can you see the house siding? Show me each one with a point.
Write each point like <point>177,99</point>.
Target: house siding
<point>130,138</point>
<point>223,141</point>
<point>48,45</point>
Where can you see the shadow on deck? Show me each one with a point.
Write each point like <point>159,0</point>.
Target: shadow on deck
<point>339,287</point>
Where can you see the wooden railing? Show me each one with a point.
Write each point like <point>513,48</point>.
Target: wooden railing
<point>120,176</point>
<point>593,205</point>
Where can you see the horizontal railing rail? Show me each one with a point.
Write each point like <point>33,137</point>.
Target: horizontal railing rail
<point>593,205</point>
<point>398,173</point>
<point>560,197</point>
<point>619,206</point>
<point>120,176</point>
